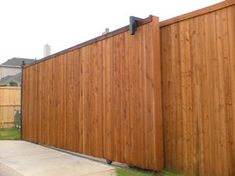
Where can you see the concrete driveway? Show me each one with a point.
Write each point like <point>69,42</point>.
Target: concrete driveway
<point>20,158</point>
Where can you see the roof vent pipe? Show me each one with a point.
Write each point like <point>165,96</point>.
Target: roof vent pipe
<point>106,31</point>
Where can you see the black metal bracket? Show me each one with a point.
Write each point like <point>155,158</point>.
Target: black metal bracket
<point>134,24</point>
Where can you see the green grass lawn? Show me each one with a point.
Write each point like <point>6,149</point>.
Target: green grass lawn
<point>10,134</point>
<point>137,172</point>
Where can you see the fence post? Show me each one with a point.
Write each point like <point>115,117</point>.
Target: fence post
<point>21,101</point>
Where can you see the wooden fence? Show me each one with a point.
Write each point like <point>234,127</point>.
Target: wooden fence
<point>100,98</point>
<point>198,90</point>
<point>9,104</point>
<point>122,96</point>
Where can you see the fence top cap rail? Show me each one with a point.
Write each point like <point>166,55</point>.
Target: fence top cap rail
<point>10,66</point>
<point>94,40</point>
<point>9,87</point>
<point>196,13</point>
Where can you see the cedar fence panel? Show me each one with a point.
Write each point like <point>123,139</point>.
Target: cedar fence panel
<point>100,98</point>
<point>198,90</point>
<point>9,104</point>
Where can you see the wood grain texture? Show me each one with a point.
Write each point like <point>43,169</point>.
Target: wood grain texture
<point>198,56</point>
<point>102,99</point>
<point>9,104</point>
<point>9,96</point>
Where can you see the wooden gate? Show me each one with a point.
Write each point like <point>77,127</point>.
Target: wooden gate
<point>100,98</point>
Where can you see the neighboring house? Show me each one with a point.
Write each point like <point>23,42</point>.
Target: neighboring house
<point>10,71</point>
<point>9,80</point>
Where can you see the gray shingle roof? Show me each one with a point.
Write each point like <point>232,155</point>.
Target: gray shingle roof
<point>5,81</point>
<point>15,61</point>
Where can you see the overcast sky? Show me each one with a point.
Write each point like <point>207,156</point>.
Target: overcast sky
<point>27,25</point>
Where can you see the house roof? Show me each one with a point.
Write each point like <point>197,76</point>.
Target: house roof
<point>8,79</point>
<point>15,61</point>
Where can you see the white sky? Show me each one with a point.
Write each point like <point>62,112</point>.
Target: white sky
<point>27,25</point>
